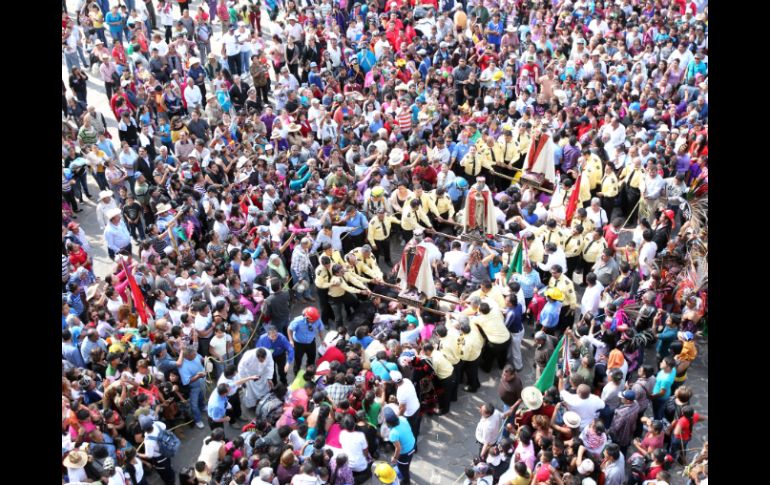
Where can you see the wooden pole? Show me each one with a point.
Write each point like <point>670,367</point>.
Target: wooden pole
<point>431,310</point>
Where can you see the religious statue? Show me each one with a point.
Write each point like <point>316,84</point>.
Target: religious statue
<point>479,211</point>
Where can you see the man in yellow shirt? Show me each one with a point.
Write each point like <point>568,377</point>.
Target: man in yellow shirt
<point>323,275</point>
<point>490,292</point>
<point>355,273</point>
<point>490,322</point>
<point>342,296</point>
<point>581,218</point>
<point>366,264</point>
<point>426,201</point>
<point>550,233</point>
<point>474,162</point>
<point>334,255</point>
<point>569,305</point>
<point>444,207</point>
<point>449,348</point>
<point>608,192</point>
<point>592,249</point>
<point>378,234</point>
<point>412,217</point>
<point>469,346</point>
<point>573,249</point>
<point>535,249</point>
<point>593,169</point>
<point>445,373</point>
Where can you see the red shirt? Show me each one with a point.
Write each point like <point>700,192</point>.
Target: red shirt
<point>611,237</point>
<point>686,429</point>
<point>332,353</point>
<point>427,174</point>
<point>79,258</point>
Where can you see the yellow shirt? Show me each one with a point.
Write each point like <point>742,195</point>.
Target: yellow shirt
<point>551,235</point>
<point>379,230</point>
<point>523,140</point>
<point>536,252</point>
<point>505,152</point>
<point>585,188</point>
<point>567,287</point>
<point>354,279</point>
<point>494,294</point>
<point>338,287</point>
<point>412,218</point>
<point>473,163</point>
<point>610,185</point>
<point>593,249</point>
<point>588,224</point>
<point>322,277</point>
<point>573,245</point>
<point>367,266</point>
<point>443,205</point>
<point>469,345</point>
<point>426,201</point>
<point>441,365</point>
<point>593,168</point>
<point>449,348</point>
<point>97,19</point>
<point>493,326</point>
<point>336,257</point>
<point>632,176</point>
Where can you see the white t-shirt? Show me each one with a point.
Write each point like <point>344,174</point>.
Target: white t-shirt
<point>151,448</point>
<point>586,408</point>
<point>248,274</point>
<point>118,478</point>
<point>455,261</point>
<point>219,344</point>
<point>407,395</point>
<point>354,444</point>
<point>591,298</point>
<point>231,44</point>
<point>202,322</point>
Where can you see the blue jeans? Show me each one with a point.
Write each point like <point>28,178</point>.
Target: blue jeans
<point>117,35</point>
<point>197,399</point>
<point>71,60</point>
<point>245,60</point>
<point>676,447</point>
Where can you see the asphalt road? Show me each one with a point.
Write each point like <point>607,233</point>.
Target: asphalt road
<point>447,444</point>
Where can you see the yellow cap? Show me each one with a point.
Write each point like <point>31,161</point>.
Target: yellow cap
<point>377,191</point>
<point>385,473</point>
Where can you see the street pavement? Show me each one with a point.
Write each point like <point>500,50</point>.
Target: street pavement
<point>446,443</point>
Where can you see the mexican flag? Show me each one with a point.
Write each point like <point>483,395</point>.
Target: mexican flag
<point>517,262</point>
<point>548,376</point>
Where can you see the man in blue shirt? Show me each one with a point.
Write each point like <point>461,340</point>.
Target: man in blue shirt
<point>314,77</point>
<point>303,331</point>
<point>217,407</point>
<point>277,344</point>
<point>356,219</point>
<point>495,29</point>
<point>662,390</point>
<point>91,342</point>
<point>549,315</point>
<point>192,373</point>
<point>69,351</point>
<point>404,442</point>
<point>115,21</point>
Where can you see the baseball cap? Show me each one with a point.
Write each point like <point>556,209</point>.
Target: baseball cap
<point>396,376</point>
<point>629,394</point>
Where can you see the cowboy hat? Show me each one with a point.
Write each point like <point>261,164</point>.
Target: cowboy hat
<point>294,128</point>
<point>402,87</point>
<point>571,419</point>
<point>241,162</point>
<point>76,459</point>
<point>554,294</point>
<point>104,194</point>
<point>162,208</point>
<point>276,135</point>
<point>355,96</point>
<point>396,157</point>
<point>194,60</point>
<point>112,213</point>
<point>242,178</point>
<point>91,292</point>
<point>532,397</point>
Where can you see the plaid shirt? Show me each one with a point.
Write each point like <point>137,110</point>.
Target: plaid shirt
<point>300,261</point>
<point>338,393</point>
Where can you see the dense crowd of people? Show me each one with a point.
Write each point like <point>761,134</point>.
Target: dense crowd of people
<point>424,184</point>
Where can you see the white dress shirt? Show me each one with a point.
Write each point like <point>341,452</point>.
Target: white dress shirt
<point>591,298</point>
<point>557,257</point>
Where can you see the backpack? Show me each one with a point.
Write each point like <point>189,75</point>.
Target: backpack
<point>168,443</point>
